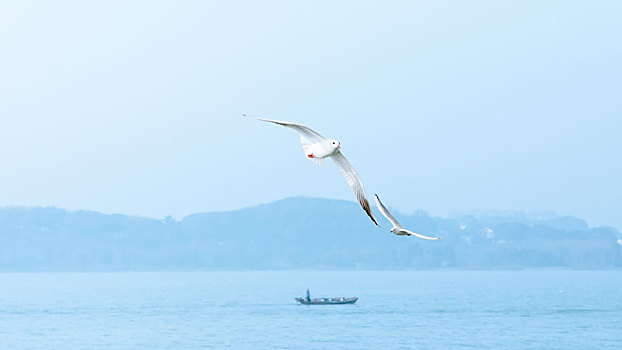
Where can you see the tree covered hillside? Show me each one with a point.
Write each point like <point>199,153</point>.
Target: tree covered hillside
<point>297,233</point>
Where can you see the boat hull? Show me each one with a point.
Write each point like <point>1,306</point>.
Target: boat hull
<point>327,301</point>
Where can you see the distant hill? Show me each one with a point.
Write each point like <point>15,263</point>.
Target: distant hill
<point>297,233</point>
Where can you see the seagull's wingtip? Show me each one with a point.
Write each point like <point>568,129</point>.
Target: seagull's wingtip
<point>373,219</point>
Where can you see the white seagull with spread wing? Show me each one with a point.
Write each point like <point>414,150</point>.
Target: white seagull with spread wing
<point>317,148</point>
<point>397,228</point>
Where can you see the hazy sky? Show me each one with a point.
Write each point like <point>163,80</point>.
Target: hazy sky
<point>135,107</point>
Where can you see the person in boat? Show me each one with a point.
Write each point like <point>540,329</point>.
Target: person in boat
<point>308,296</point>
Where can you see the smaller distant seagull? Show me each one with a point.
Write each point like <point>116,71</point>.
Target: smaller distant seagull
<point>397,228</point>
<point>317,148</point>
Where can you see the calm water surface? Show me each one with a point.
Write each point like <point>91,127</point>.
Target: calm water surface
<point>256,310</point>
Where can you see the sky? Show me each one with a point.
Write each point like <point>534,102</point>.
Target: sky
<point>443,106</point>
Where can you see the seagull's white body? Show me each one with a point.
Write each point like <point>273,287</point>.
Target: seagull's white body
<point>397,228</point>
<point>317,148</point>
<point>317,151</point>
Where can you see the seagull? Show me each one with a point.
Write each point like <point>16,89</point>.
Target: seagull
<point>397,228</point>
<point>317,148</point>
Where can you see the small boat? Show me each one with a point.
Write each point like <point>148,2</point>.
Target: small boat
<point>327,301</point>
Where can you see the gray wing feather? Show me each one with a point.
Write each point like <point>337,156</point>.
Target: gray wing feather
<point>386,213</point>
<point>354,182</point>
<point>420,235</point>
<point>304,130</point>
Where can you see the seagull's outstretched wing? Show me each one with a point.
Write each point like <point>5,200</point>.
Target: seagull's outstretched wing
<point>395,223</point>
<point>410,233</point>
<point>386,213</point>
<point>355,183</point>
<point>307,132</point>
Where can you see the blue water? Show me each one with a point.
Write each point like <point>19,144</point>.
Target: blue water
<point>256,310</point>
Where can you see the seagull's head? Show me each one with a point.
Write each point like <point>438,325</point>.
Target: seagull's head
<point>335,144</point>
